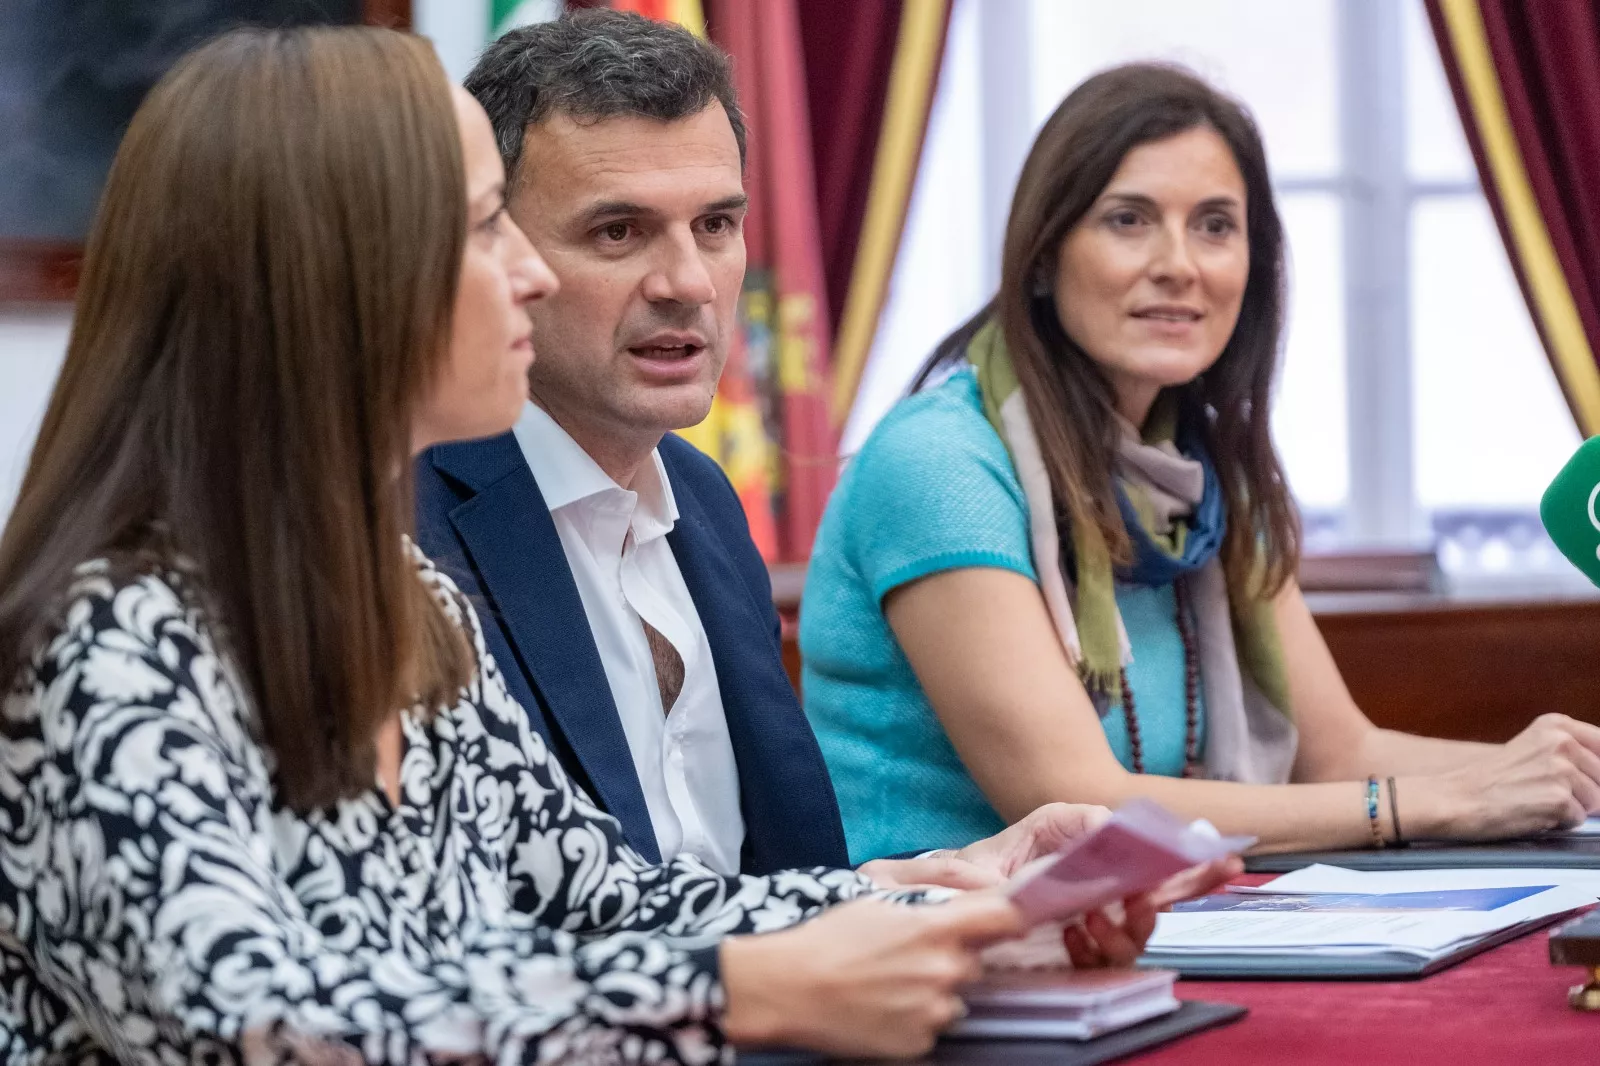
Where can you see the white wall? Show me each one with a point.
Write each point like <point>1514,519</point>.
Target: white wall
<point>32,343</point>
<point>459,29</point>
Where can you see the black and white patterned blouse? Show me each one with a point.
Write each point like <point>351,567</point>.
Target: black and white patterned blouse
<point>158,905</point>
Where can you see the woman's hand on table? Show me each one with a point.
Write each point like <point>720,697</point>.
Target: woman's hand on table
<point>1546,777</point>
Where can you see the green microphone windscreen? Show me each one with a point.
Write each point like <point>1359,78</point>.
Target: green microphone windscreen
<point>1570,510</point>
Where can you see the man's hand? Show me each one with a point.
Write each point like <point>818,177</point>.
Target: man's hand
<point>1047,830</point>
<point>1114,936</point>
<point>993,860</point>
<point>937,869</point>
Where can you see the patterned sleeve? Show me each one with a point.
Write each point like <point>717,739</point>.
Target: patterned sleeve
<point>569,864</point>
<point>135,834</point>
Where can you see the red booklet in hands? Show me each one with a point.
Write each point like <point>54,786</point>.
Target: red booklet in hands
<point>1139,847</point>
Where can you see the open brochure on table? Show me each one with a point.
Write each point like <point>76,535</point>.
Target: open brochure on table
<point>1328,922</point>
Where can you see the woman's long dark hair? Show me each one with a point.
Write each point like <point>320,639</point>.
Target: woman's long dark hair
<point>1069,400</point>
<point>266,297</point>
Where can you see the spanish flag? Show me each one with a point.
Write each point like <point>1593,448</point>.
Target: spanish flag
<point>686,13</point>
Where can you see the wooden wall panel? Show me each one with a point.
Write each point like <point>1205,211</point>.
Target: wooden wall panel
<point>1469,671</point>
<point>34,272</point>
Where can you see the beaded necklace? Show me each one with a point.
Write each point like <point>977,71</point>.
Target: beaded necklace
<point>1191,693</point>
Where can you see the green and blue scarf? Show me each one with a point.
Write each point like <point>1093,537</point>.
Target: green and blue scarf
<point>1173,508</point>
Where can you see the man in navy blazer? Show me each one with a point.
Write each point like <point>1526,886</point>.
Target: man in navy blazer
<point>631,186</point>
<point>481,516</point>
<point>621,594</point>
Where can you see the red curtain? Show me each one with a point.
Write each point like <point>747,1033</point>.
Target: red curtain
<point>849,52</point>
<point>1526,80</point>
<point>871,72</point>
<point>785,305</point>
<point>816,78</point>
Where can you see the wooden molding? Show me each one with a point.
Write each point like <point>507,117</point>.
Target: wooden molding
<point>1468,670</point>
<point>1361,571</point>
<point>395,14</point>
<point>38,271</point>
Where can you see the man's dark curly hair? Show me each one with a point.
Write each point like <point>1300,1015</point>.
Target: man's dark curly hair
<point>594,64</point>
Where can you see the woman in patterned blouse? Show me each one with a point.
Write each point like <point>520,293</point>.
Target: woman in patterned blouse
<point>220,840</point>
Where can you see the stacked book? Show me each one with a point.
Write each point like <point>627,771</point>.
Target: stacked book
<point>1064,1004</point>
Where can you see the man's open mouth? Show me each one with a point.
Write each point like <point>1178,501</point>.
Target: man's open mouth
<point>676,351</point>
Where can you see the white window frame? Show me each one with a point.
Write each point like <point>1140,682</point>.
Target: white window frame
<point>1376,194</point>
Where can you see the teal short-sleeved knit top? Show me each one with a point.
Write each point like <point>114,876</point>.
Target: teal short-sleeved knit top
<point>933,489</point>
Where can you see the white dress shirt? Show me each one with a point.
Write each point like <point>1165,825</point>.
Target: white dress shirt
<point>616,544</point>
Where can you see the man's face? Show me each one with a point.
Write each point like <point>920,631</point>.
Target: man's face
<point>642,222</point>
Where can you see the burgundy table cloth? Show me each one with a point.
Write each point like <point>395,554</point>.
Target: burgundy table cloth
<point>1508,1005</point>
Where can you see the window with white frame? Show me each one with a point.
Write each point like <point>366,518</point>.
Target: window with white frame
<point>1415,404</point>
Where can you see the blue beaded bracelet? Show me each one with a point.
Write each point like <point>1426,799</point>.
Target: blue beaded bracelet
<point>1372,812</point>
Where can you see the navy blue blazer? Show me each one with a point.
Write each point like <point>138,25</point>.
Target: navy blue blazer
<point>483,520</point>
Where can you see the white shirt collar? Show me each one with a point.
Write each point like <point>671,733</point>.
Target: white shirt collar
<point>567,474</point>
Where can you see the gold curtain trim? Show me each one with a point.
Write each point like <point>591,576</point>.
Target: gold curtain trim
<point>1570,353</point>
<point>894,170</point>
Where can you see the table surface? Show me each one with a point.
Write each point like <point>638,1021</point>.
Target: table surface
<point>1505,1007</point>
<point>1508,1005</point>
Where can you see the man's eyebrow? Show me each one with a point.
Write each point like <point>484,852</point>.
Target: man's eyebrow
<point>597,213</point>
<point>606,210</point>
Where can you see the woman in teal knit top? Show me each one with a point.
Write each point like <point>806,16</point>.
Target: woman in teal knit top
<point>1063,569</point>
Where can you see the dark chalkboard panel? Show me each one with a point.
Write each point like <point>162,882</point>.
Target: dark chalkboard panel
<point>72,72</point>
